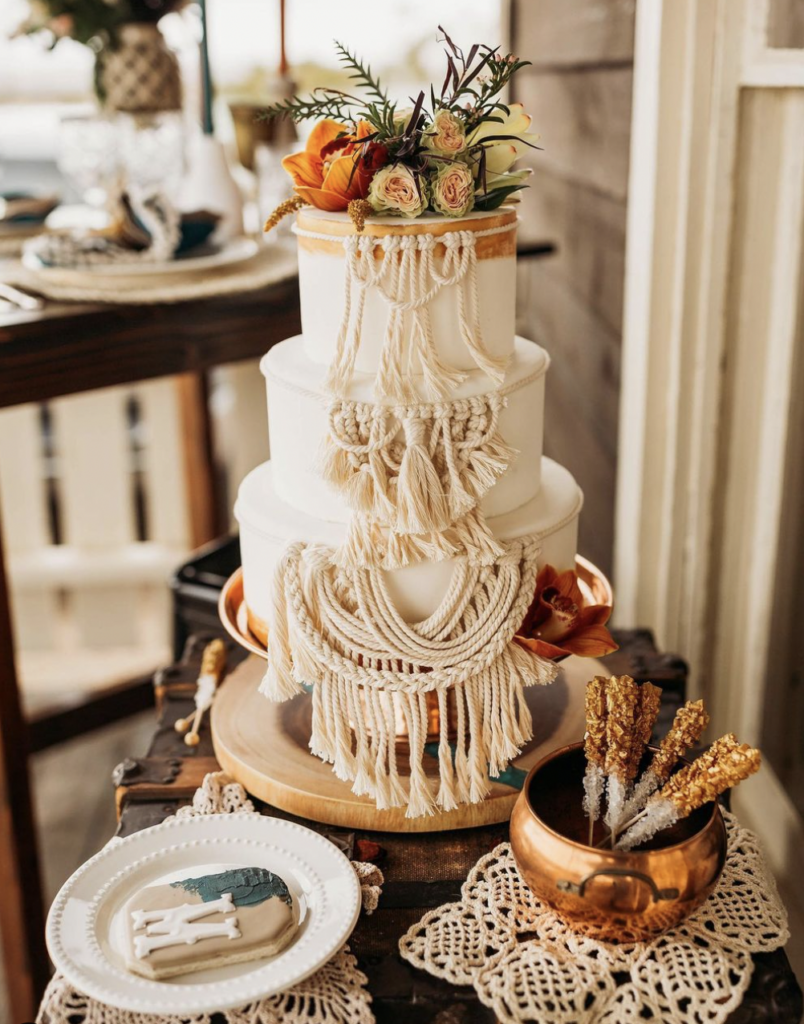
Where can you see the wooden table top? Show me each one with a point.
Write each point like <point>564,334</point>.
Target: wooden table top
<point>421,871</point>
<point>67,348</point>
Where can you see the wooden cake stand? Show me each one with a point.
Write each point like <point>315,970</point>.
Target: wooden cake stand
<point>265,746</point>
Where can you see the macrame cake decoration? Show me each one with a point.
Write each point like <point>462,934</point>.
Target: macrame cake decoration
<point>419,471</point>
<point>338,630</point>
<point>408,277</point>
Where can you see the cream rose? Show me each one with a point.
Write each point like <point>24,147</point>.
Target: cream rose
<point>447,134</point>
<point>453,190</point>
<point>394,190</point>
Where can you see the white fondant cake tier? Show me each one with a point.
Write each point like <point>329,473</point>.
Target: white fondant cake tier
<point>268,525</point>
<point>298,424</point>
<point>322,276</point>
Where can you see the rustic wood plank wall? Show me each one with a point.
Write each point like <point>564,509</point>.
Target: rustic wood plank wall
<point>579,93</point>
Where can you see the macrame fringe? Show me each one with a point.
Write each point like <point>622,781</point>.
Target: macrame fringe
<point>369,546</point>
<point>371,670</point>
<point>408,278</point>
<point>416,470</point>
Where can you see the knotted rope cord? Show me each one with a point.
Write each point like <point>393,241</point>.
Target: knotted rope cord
<point>416,470</point>
<point>408,279</point>
<point>341,632</point>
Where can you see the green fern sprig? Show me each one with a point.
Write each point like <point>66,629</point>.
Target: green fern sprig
<point>361,73</point>
<point>323,103</point>
<point>380,112</point>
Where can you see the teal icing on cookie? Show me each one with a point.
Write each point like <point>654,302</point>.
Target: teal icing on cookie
<point>248,886</point>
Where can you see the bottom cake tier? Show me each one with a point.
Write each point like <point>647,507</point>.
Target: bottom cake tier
<point>268,525</point>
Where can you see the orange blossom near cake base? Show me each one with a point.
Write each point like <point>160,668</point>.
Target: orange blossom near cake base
<point>558,623</point>
<point>328,173</point>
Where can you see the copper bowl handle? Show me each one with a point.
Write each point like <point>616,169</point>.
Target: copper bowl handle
<point>579,888</point>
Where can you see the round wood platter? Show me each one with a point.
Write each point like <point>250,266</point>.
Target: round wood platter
<point>264,746</point>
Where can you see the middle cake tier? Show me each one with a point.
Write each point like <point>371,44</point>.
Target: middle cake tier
<point>298,415</point>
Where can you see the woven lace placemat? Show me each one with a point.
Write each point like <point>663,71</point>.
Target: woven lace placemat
<point>335,994</point>
<point>273,263</point>
<point>527,965</point>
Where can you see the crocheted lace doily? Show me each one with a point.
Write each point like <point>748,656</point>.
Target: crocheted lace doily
<point>527,965</point>
<point>335,994</point>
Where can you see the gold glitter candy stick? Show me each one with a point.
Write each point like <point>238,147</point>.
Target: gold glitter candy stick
<point>649,699</point>
<point>595,749</point>
<point>621,703</point>
<point>723,766</point>
<point>688,726</point>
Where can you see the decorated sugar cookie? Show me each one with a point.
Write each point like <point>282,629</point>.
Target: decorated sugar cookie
<point>208,921</point>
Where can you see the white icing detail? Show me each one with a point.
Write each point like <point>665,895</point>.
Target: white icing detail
<point>176,926</point>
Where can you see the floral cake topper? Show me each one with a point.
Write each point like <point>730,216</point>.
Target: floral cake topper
<point>451,152</point>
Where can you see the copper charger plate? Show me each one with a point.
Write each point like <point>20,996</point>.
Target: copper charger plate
<point>264,745</point>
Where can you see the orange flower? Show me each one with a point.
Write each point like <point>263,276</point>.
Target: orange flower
<point>331,171</point>
<point>559,623</point>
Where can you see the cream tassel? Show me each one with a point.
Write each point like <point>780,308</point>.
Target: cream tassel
<point>397,797</point>
<point>420,501</point>
<point>363,547</point>
<point>494,366</point>
<point>348,343</point>
<point>278,683</point>
<point>474,537</point>
<point>436,547</point>
<point>461,753</point>
<point>446,798</point>
<point>414,706</point>
<point>487,464</point>
<point>404,549</point>
<point>460,501</point>
<point>338,465</point>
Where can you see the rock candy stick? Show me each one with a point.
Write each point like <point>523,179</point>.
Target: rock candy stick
<point>725,764</point>
<point>649,699</point>
<point>594,779</point>
<point>621,704</point>
<point>688,726</point>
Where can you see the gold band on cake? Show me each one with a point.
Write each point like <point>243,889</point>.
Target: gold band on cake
<point>500,241</point>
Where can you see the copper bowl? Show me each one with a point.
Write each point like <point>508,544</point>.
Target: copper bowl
<point>607,894</point>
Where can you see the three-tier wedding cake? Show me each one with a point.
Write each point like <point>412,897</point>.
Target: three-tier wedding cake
<point>390,547</point>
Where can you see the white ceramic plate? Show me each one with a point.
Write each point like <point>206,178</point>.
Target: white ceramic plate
<point>237,251</point>
<point>85,927</point>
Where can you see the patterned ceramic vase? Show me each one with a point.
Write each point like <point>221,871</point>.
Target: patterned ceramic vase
<point>138,73</point>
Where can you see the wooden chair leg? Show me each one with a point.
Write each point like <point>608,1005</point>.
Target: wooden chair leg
<point>22,923</point>
<point>198,460</point>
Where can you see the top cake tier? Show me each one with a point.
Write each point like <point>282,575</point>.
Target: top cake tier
<point>437,276</point>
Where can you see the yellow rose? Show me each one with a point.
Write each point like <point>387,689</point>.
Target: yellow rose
<point>395,190</point>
